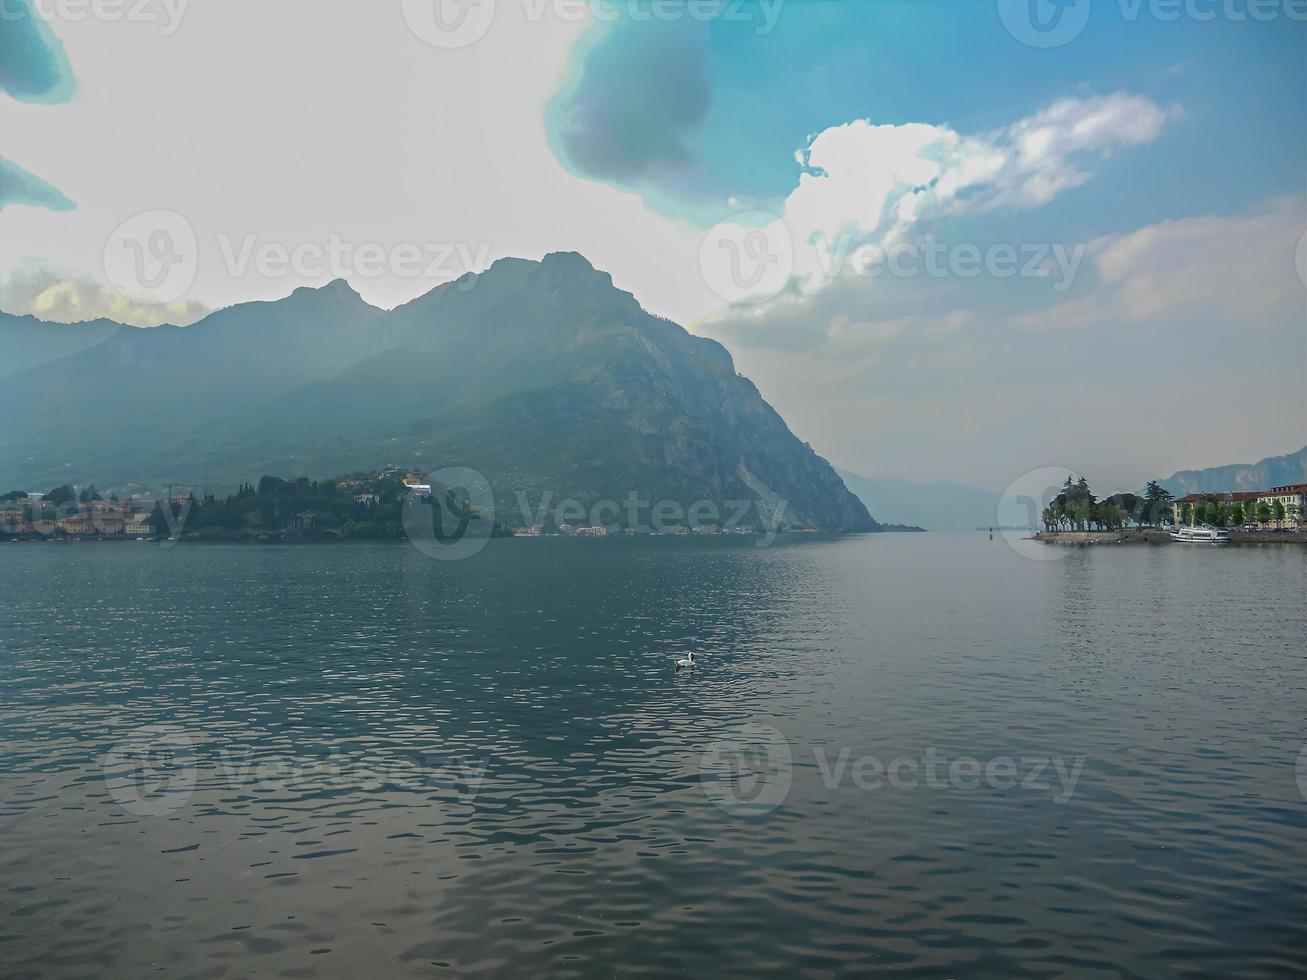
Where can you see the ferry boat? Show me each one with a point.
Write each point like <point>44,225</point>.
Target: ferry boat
<point>1200,535</point>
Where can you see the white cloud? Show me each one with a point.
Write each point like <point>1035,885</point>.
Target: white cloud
<point>868,183</point>
<point>35,288</point>
<point>1237,269</point>
<point>377,154</point>
<point>1043,151</point>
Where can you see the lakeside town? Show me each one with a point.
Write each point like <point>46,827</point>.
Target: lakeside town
<point>358,506</point>
<point>1075,514</point>
<point>371,506</point>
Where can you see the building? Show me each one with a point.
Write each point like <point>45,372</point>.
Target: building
<point>1195,501</point>
<point>367,499</point>
<point>137,526</point>
<point>12,521</point>
<point>1293,497</point>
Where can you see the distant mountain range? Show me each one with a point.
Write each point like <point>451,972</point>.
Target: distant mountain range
<point>937,506</point>
<point>541,375</point>
<point>1274,471</point>
<point>949,506</point>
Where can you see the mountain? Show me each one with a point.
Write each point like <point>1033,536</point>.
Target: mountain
<point>1274,471</point>
<point>936,506</point>
<point>28,342</point>
<point>542,375</point>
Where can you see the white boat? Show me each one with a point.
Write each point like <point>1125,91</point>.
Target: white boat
<point>1200,535</point>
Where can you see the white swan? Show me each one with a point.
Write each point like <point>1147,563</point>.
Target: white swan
<point>686,661</point>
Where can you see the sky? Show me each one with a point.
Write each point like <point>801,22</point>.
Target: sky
<point>948,241</point>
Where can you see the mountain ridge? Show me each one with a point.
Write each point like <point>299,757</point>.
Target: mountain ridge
<point>1271,471</point>
<point>541,374</point>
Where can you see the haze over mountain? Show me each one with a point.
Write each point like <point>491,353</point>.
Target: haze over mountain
<point>942,505</point>
<point>541,375</point>
<point>1273,471</point>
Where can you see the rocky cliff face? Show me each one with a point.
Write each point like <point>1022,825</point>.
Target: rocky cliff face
<point>541,375</point>
<point>1270,472</point>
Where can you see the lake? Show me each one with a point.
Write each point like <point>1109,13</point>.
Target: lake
<point>913,754</point>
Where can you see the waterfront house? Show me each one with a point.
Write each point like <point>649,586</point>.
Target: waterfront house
<point>1293,497</point>
<point>1196,501</point>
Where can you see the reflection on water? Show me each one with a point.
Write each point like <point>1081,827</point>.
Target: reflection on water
<point>905,753</point>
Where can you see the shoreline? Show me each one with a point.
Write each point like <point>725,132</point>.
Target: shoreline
<point>1085,539</point>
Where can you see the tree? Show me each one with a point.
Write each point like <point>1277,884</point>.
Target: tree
<point>1109,515</point>
<point>1277,511</point>
<point>89,494</point>
<point>1075,503</point>
<point>1158,500</point>
<point>1131,506</point>
<point>1186,513</point>
<point>1264,512</point>
<point>1081,512</point>
<point>61,495</point>
<point>1295,514</point>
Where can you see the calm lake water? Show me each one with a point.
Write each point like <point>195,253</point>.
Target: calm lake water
<point>910,754</point>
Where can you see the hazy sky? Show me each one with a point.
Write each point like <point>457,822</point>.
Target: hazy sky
<point>945,241</point>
